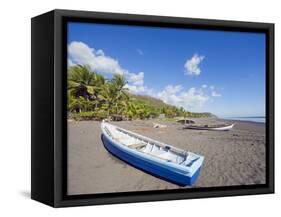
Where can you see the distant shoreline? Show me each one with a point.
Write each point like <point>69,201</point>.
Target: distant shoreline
<point>246,119</point>
<point>241,121</point>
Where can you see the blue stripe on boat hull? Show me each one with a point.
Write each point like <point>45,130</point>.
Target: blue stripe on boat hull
<point>150,168</point>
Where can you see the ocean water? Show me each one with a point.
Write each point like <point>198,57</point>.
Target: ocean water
<point>254,119</point>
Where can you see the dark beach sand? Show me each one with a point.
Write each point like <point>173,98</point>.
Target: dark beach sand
<point>235,157</point>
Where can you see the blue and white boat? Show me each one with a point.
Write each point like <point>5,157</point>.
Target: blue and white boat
<point>164,161</point>
<point>218,127</point>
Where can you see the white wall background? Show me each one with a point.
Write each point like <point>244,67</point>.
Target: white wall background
<point>15,106</point>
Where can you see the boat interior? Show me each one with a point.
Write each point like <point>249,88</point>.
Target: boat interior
<point>151,147</point>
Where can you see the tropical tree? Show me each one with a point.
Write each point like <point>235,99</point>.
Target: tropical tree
<point>80,81</point>
<point>114,92</point>
<point>83,82</point>
<point>75,104</point>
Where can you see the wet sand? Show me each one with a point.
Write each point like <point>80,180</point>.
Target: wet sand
<point>235,157</point>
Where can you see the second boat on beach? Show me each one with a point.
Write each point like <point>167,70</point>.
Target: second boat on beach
<point>159,159</point>
<point>218,127</point>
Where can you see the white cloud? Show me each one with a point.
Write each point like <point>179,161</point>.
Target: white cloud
<point>135,89</point>
<point>136,79</point>
<point>215,94</point>
<point>192,65</point>
<point>141,90</point>
<point>212,87</point>
<point>171,89</point>
<point>194,99</point>
<point>190,99</point>
<point>81,53</point>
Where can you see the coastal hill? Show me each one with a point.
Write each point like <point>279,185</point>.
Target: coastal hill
<point>149,100</point>
<point>159,104</point>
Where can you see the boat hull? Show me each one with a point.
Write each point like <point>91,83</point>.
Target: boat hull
<point>150,167</point>
<point>225,128</point>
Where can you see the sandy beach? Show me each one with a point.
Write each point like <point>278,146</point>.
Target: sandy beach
<point>235,157</point>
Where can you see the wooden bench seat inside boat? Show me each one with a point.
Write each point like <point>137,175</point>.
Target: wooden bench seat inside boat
<point>137,146</point>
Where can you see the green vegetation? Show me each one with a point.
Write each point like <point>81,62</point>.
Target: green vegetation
<point>90,96</point>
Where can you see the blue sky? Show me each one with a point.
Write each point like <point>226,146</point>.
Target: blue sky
<point>212,71</point>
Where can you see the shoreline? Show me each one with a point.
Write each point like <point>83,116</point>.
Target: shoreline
<point>250,121</point>
<point>244,121</point>
<point>235,157</point>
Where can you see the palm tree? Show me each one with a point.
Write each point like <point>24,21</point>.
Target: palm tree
<point>81,81</point>
<point>143,111</point>
<point>114,92</point>
<point>75,104</point>
<point>131,109</point>
<point>99,82</point>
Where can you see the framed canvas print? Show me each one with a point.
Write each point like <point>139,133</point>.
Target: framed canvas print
<point>133,108</point>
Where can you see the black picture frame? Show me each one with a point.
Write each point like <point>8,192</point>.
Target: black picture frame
<point>49,146</point>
